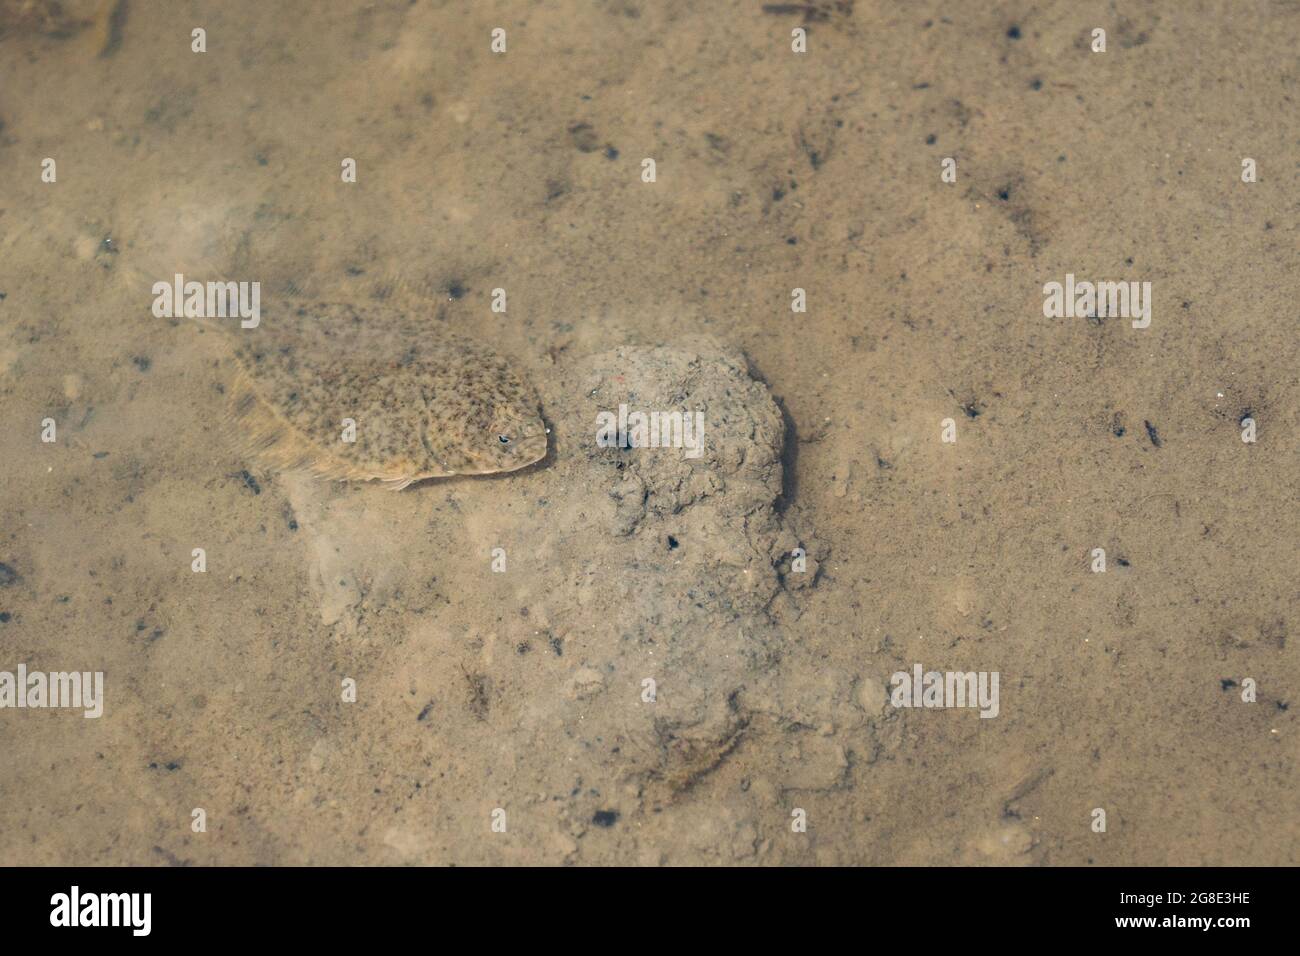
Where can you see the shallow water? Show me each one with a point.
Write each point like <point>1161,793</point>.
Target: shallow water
<point>479,689</point>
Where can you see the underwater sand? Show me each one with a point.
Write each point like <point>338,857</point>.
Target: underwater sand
<point>522,689</point>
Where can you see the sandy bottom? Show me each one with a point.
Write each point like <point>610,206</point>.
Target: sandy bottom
<point>457,673</point>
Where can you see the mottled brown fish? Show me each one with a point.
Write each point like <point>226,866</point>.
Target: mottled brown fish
<point>416,402</point>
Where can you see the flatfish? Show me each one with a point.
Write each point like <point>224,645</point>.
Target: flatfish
<point>374,392</point>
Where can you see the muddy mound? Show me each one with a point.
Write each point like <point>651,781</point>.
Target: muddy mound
<point>683,544</point>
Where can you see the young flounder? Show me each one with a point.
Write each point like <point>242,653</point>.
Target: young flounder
<point>358,393</point>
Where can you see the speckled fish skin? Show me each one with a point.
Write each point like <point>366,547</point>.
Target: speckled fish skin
<point>426,403</point>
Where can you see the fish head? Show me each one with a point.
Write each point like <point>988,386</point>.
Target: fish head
<point>498,427</point>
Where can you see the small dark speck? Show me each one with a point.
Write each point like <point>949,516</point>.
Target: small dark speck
<point>100,454</point>
<point>930,140</point>
<point>142,362</point>
<point>522,648</point>
<point>5,617</point>
<point>557,645</point>
<point>792,241</point>
<point>611,152</point>
<point>1122,562</point>
<point>172,765</point>
<point>456,291</point>
<point>605,818</point>
<point>425,712</point>
<point>1227,682</point>
<point>1004,194</point>
<point>1013,32</point>
<point>778,194</point>
<point>1037,84</point>
<point>1283,705</point>
<point>8,575</point>
<point>672,543</point>
<point>250,482</point>
<point>1152,433</point>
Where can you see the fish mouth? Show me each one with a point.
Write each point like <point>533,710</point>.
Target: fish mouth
<point>471,471</point>
<point>535,439</point>
<point>531,448</point>
<point>537,449</point>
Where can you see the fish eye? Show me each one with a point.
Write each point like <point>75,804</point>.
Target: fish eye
<point>504,439</point>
